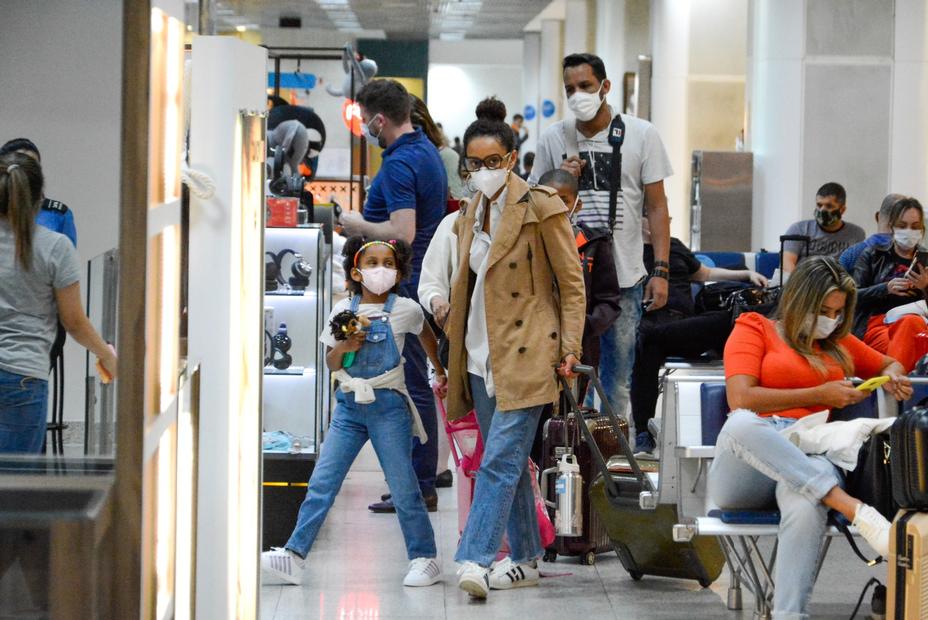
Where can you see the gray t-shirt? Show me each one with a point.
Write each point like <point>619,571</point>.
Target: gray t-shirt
<point>644,161</point>
<point>28,311</point>
<point>821,242</point>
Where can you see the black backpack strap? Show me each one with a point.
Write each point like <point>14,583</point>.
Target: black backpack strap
<point>616,138</point>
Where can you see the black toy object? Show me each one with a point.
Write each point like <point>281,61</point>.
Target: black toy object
<point>343,325</point>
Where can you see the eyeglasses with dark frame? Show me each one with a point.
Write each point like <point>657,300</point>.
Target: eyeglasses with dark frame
<point>493,162</point>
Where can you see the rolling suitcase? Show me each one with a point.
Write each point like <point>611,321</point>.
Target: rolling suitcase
<point>909,458</point>
<point>562,435</point>
<point>643,537</point>
<point>907,594</point>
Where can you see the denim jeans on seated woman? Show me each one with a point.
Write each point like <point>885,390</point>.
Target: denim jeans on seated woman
<point>757,468</point>
<point>503,497</point>
<point>23,413</point>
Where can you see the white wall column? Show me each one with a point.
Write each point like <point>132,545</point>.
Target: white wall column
<point>610,39</point>
<point>908,172</point>
<point>699,51</point>
<point>550,79</point>
<point>531,64</point>
<point>228,76</point>
<point>670,34</point>
<point>838,90</point>
<point>577,39</point>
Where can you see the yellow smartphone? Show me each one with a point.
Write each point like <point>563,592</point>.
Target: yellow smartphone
<point>871,384</point>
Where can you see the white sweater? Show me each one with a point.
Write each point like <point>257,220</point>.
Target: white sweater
<point>439,263</point>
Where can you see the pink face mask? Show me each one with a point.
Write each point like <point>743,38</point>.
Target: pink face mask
<point>378,280</point>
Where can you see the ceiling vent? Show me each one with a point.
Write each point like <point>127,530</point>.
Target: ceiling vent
<point>291,22</point>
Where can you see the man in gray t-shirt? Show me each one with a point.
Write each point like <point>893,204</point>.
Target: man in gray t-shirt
<point>28,310</point>
<point>828,233</point>
<point>645,165</point>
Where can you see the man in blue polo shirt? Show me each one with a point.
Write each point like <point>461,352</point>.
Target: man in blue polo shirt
<point>407,199</point>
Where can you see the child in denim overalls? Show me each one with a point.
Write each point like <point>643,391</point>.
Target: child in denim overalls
<point>372,403</point>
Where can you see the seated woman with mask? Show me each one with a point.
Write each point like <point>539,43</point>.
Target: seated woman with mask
<point>780,370</point>
<point>889,276</point>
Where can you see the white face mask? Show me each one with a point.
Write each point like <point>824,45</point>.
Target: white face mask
<point>489,181</point>
<point>585,105</point>
<point>907,238</point>
<point>370,136</point>
<point>823,325</point>
<point>378,280</point>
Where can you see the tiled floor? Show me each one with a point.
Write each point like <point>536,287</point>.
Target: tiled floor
<point>357,566</point>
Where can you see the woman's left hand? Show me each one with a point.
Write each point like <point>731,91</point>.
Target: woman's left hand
<point>566,369</point>
<point>441,385</point>
<point>899,386</point>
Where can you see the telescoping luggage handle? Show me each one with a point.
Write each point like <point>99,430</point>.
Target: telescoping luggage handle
<point>611,485</point>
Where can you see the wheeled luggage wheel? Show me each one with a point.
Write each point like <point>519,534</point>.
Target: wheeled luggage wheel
<point>588,558</point>
<point>635,575</point>
<point>549,556</point>
<point>705,583</point>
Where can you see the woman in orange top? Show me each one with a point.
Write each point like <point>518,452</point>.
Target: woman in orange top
<point>777,371</point>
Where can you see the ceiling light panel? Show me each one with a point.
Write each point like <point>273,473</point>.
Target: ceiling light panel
<point>398,18</point>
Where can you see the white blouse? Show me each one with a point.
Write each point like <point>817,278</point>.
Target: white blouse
<point>477,340</point>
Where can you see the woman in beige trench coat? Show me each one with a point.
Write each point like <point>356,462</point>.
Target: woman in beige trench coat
<point>517,313</point>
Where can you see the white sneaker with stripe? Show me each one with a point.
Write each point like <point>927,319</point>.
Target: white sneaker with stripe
<point>474,579</point>
<point>422,572</point>
<point>507,575</point>
<point>284,565</point>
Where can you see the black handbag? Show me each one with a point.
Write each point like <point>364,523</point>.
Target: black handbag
<point>872,481</point>
<point>755,299</point>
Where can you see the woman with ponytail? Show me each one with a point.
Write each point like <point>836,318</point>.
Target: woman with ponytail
<point>517,313</point>
<point>39,284</point>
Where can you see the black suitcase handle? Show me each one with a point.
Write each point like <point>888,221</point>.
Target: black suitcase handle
<point>611,485</point>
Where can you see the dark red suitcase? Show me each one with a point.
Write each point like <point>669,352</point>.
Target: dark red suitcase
<point>909,459</point>
<point>561,433</point>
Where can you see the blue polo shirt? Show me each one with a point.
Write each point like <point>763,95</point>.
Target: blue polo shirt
<point>57,217</point>
<point>849,257</point>
<point>412,176</point>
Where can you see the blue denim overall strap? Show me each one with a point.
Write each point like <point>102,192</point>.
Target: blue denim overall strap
<point>379,353</point>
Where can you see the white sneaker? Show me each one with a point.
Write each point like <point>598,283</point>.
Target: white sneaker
<point>474,579</point>
<point>422,572</point>
<point>283,564</point>
<point>507,575</point>
<point>873,527</point>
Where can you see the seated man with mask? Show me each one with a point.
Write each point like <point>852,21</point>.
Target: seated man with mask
<point>828,233</point>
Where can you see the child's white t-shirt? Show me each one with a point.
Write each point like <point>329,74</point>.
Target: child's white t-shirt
<point>406,318</point>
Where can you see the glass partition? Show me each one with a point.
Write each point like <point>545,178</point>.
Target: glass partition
<point>100,398</point>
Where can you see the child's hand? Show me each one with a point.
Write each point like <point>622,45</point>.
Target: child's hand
<point>441,385</point>
<point>354,341</point>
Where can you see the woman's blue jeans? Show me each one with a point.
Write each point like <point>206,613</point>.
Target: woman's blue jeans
<point>757,468</point>
<point>503,497</point>
<point>23,413</point>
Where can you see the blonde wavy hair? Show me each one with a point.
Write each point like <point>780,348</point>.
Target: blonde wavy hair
<point>813,280</point>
